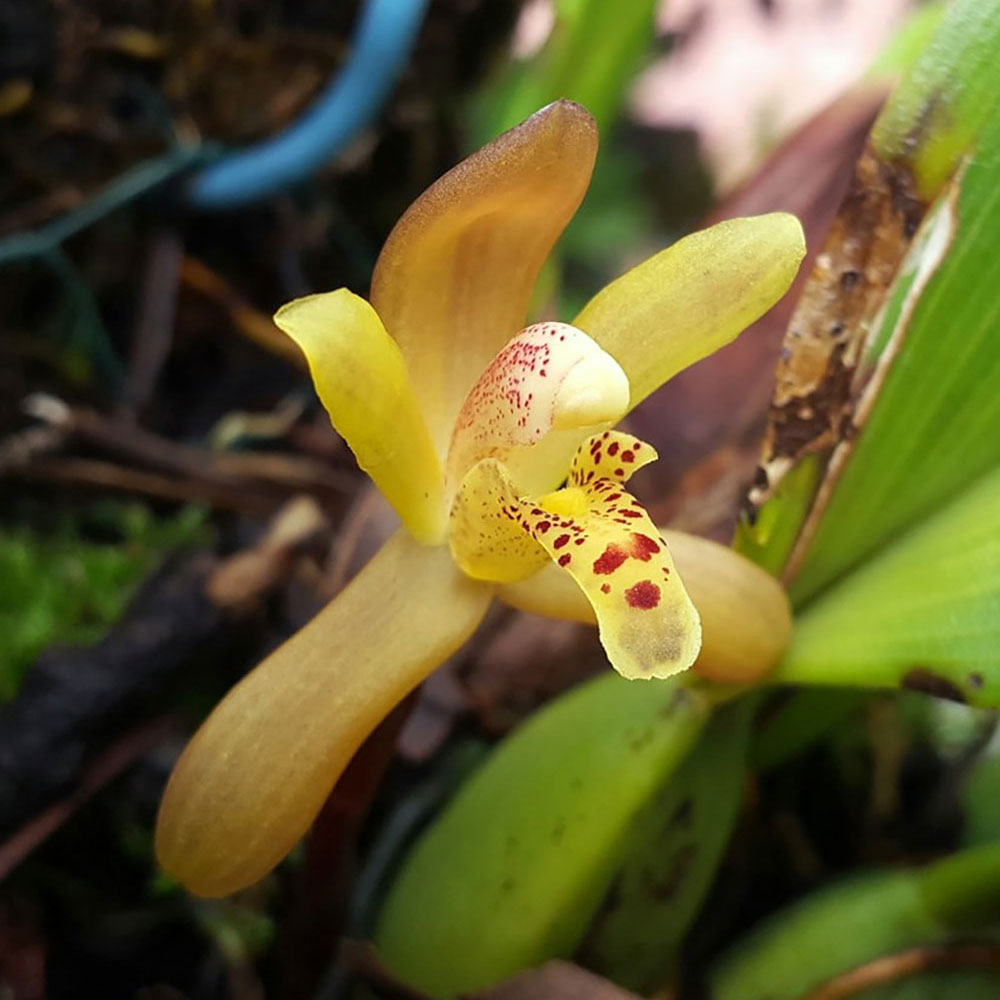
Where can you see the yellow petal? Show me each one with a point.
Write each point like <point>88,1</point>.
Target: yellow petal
<point>601,536</point>
<point>259,769</point>
<point>485,531</point>
<point>611,455</point>
<point>746,620</point>
<point>547,383</point>
<point>694,297</point>
<point>361,379</point>
<point>455,277</point>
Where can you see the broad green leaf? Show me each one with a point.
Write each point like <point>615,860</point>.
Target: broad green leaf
<point>963,890</point>
<point>933,427</point>
<point>854,922</point>
<point>674,850</point>
<point>515,867</point>
<point>924,613</point>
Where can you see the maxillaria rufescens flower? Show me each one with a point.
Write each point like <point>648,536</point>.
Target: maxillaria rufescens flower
<point>469,432</point>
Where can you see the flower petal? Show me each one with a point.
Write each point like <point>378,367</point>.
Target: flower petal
<point>549,382</point>
<point>361,379</point>
<point>486,533</point>
<point>746,620</point>
<point>606,542</point>
<point>455,276</point>
<point>611,455</point>
<point>259,769</point>
<point>694,297</point>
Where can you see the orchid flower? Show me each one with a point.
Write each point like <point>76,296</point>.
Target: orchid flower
<point>468,428</point>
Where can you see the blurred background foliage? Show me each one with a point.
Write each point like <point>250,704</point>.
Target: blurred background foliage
<point>153,423</point>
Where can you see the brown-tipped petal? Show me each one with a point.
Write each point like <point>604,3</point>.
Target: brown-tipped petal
<point>694,297</point>
<point>254,776</point>
<point>455,276</point>
<point>746,621</point>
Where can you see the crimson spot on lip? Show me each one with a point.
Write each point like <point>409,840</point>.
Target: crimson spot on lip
<point>644,595</point>
<point>610,559</point>
<point>643,547</point>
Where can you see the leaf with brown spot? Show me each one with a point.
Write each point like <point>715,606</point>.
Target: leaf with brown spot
<point>827,380</point>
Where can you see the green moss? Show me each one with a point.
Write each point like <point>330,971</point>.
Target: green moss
<point>69,583</point>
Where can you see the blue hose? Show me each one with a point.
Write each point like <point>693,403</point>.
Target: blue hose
<point>383,41</point>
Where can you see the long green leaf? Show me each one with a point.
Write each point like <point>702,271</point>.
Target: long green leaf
<point>514,869</point>
<point>674,850</point>
<point>924,614</point>
<point>839,928</point>
<point>852,923</point>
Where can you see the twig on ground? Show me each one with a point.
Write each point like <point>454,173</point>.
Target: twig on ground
<point>154,329</point>
<point>247,320</point>
<point>255,482</point>
<point>104,769</point>
<point>902,965</point>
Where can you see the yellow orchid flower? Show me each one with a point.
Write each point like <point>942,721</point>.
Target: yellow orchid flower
<point>469,432</point>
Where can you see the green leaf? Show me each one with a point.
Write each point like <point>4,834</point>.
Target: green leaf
<point>980,795</point>
<point>906,45</point>
<point>590,57</point>
<point>674,850</point>
<point>768,541</point>
<point>831,931</point>
<point>515,867</point>
<point>854,922</point>
<point>936,112</point>
<point>924,614</point>
<point>940,984</point>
